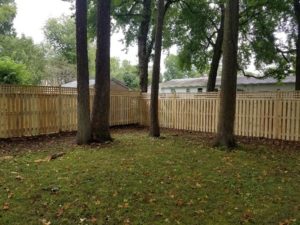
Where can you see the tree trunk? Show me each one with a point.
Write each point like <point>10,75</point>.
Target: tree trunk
<point>83,98</point>
<point>225,135</point>
<point>142,45</point>
<point>154,122</point>
<point>217,53</point>
<point>297,14</point>
<point>100,117</point>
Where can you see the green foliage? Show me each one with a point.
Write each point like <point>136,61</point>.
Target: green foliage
<point>127,16</point>
<point>125,72</point>
<point>13,73</point>
<point>193,28</point>
<point>61,36</point>
<point>261,22</point>
<point>58,71</point>
<point>7,15</point>
<point>24,51</point>
<point>174,69</point>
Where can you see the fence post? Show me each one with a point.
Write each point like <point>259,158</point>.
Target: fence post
<point>277,116</point>
<point>60,108</point>
<point>174,120</point>
<point>140,109</point>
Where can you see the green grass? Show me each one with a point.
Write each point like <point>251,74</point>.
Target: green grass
<point>140,180</point>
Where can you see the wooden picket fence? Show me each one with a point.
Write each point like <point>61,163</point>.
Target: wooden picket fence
<point>274,115</point>
<point>30,111</point>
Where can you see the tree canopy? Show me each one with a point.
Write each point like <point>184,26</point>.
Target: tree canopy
<point>8,12</point>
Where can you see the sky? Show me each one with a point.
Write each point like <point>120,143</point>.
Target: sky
<point>33,14</point>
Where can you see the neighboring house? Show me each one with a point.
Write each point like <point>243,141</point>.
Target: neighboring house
<point>197,85</point>
<point>115,85</point>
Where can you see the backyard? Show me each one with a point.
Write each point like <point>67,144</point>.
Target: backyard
<point>177,179</point>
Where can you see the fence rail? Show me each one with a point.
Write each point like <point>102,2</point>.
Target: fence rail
<point>29,111</point>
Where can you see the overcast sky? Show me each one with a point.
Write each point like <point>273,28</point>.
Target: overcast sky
<point>33,14</point>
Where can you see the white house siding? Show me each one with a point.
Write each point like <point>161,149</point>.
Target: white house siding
<point>181,90</point>
<point>246,88</point>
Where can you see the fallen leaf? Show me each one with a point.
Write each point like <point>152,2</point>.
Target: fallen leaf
<point>60,212</point>
<point>93,220</point>
<point>47,159</point>
<point>179,202</point>
<point>10,195</point>
<point>19,177</point>
<point>45,222</point>
<point>287,222</point>
<point>5,206</point>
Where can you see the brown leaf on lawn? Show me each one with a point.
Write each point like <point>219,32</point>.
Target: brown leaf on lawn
<point>247,216</point>
<point>60,212</point>
<point>10,195</point>
<point>180,202</point>
<point>287,222</point>
<point>50,157</point>
<point>19,177</point>
<point>97,202</point>
<point>93,220</point>
<point>127,221</point>
<point>5,206</point>
<point>47,159</point>
<point>45,222</point>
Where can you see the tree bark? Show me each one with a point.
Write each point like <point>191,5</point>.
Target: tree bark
<point>142,45</point>
<point>297,14</point>
<point>101,106</point>
<point>83,98</point>
<point>217,54</point>
<point>225,135</point>
<point>154,120</point>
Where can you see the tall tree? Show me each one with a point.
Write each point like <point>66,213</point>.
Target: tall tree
<point>100,117</point>
<point>83,98</point>
<point>225,135</point>
<point>154,120</point>
<point>144,51</point>
<point>217,53</point>
<point>297,69</point>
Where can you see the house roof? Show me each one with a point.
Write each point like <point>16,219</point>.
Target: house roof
<point>202,81</point>
<point>92,82</point>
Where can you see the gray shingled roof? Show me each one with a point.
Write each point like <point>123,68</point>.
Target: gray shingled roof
<point>202,81</point>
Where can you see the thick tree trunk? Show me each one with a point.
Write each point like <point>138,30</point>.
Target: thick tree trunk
<point>297,14</point>
<point>83,99</point>
<point>217,54</point>
<point>142,45</point>
<point>154,122</point>
<point>225,135</point>
<point>100,117</point>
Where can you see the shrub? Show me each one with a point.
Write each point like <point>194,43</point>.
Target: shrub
<point>12,72</point>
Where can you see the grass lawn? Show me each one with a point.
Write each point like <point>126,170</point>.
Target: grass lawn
<point>138,180</point>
